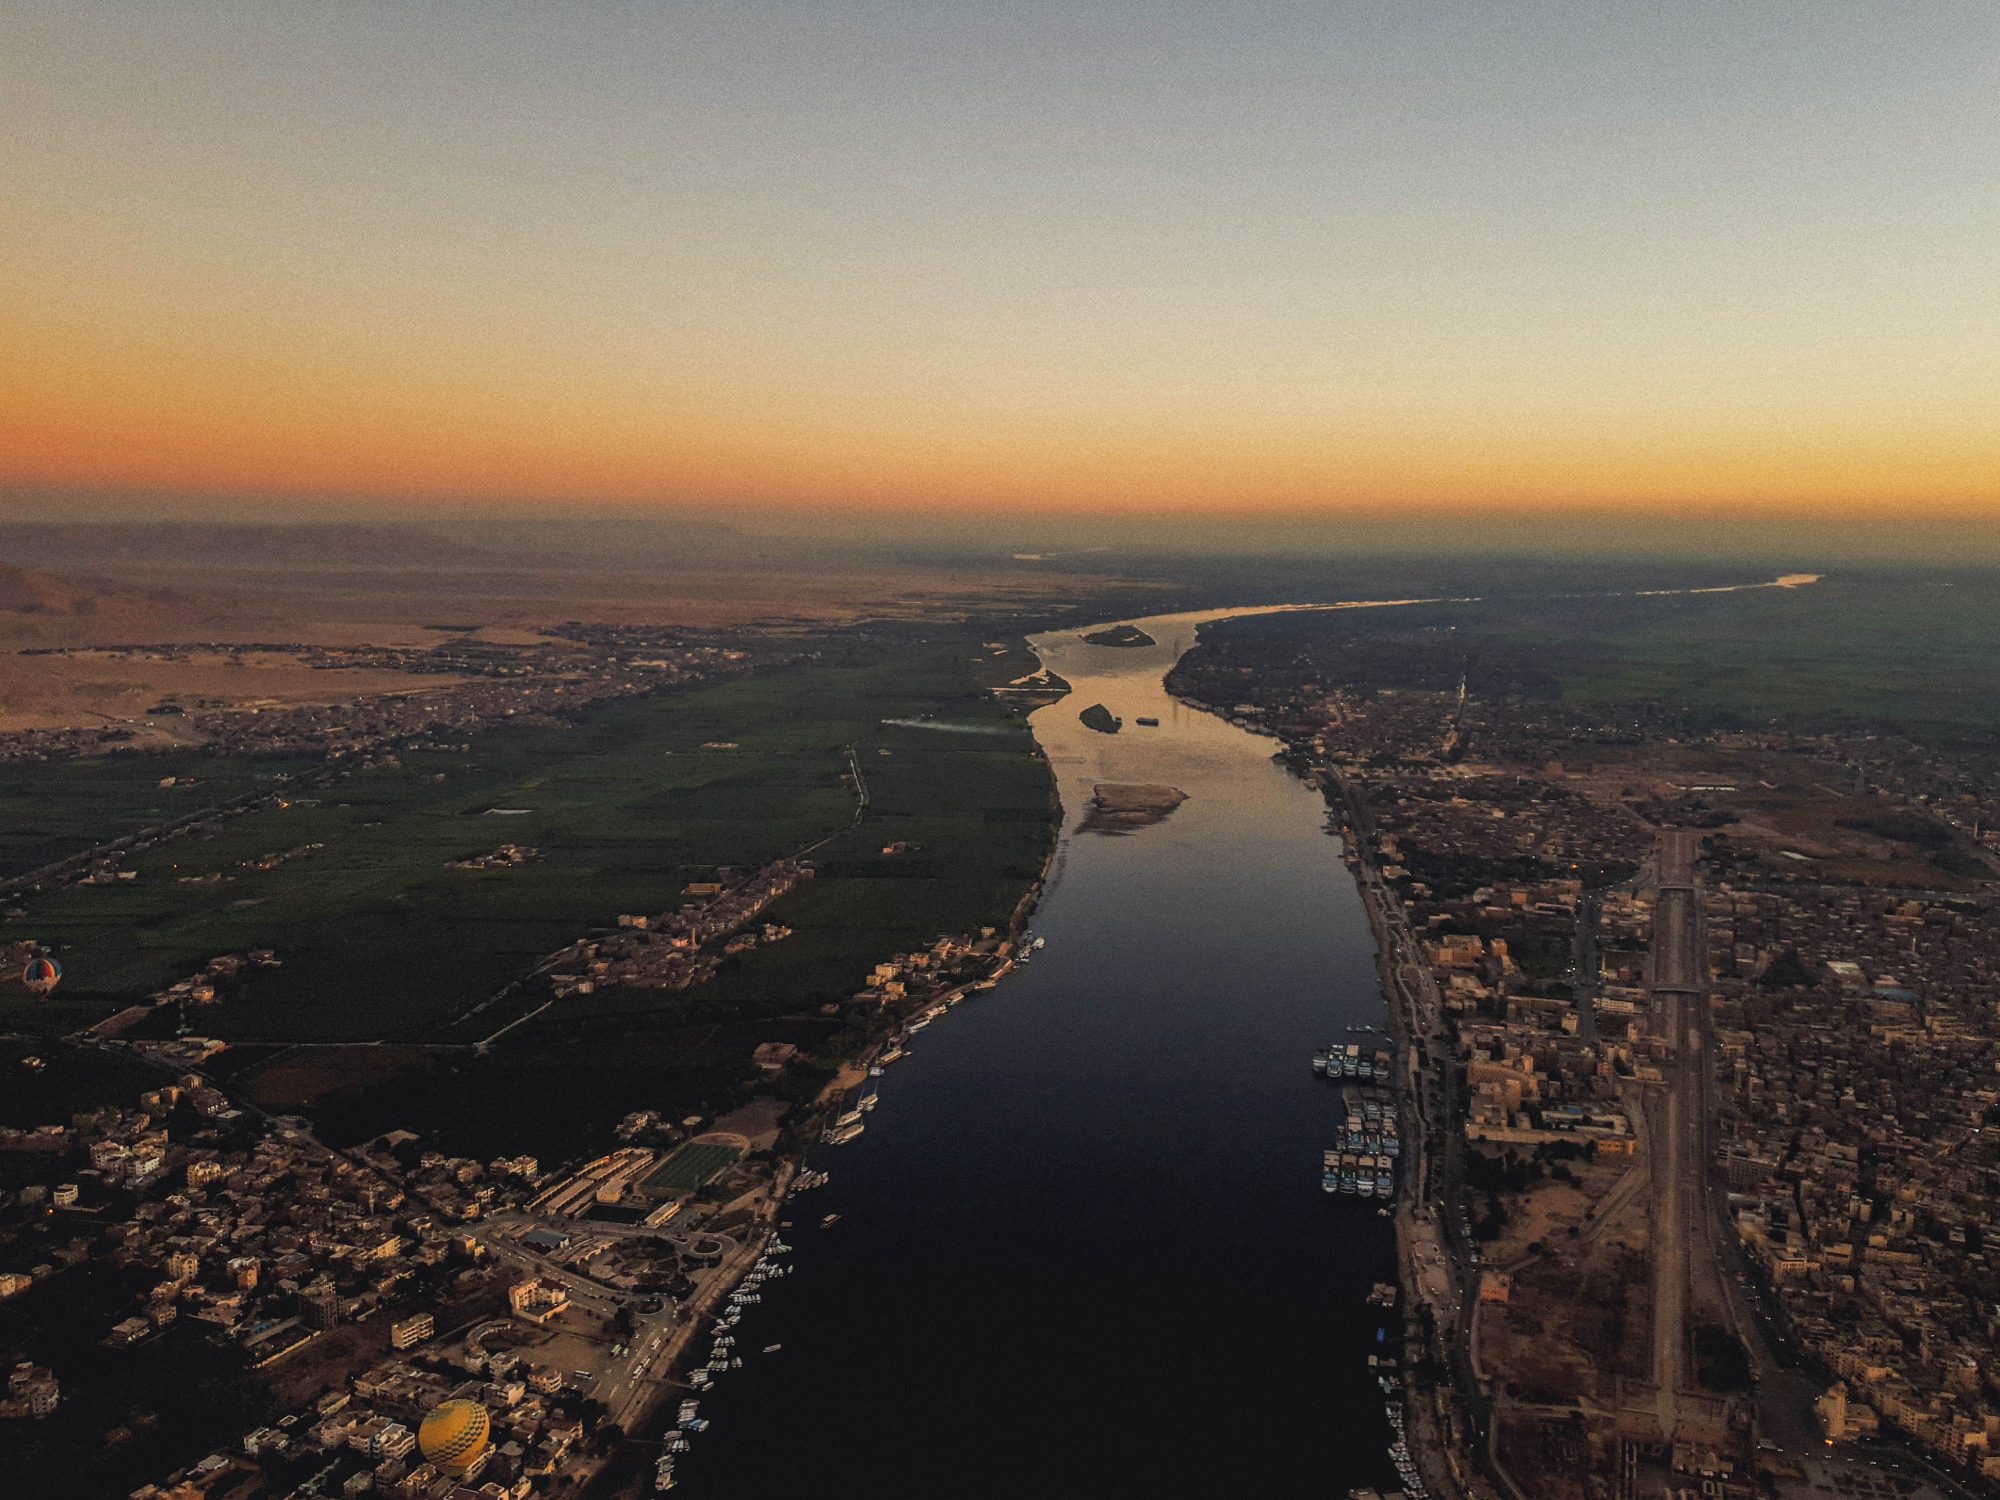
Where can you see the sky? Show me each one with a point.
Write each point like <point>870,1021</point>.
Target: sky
<point>936,260</point>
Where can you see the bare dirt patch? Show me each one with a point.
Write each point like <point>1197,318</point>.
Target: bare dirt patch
<point>1120,807</point>
<point>48,692</point>
<point>298,1078</point>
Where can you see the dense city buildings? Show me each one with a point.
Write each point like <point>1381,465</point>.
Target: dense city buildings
<point>1845,1064</point>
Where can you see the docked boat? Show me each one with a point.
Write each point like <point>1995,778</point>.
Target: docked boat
<point>840,1135</point>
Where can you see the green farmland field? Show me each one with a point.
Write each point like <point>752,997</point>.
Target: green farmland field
<point>54,809</point>
<point>379,939</point>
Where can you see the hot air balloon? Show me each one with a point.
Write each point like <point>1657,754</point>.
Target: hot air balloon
<point>42,975</point>
<point>454,1435</point>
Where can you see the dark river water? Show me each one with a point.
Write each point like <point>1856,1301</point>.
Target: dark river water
<point>1083,1247</point>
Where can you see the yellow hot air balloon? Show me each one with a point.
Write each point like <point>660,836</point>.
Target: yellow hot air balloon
<point>454,1435</point>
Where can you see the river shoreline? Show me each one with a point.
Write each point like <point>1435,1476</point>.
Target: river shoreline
<point>1426,1317</point>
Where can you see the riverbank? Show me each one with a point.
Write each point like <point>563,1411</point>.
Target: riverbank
<point>1434,1290</point>
<point>897,1019</point>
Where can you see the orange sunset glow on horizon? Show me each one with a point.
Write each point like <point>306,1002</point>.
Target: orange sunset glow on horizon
<point>1302,261</point>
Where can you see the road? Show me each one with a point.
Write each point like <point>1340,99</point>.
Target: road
<point>1585,965</point>
<point>1677,972</point>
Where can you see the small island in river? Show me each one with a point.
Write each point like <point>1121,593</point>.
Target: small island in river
<point>1120,635</point>
<point>1102,719</point>
<point>1119,807</point>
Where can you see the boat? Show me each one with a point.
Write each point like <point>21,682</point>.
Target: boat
<point>1319,1063</point>
<point>829,1221</point>
<point>772,1348</point>
<point>1040,943</point>
<point>1149,723</point>
<point>840,1135</point>
<point>1385,1185</point>
<point>869,1100</point>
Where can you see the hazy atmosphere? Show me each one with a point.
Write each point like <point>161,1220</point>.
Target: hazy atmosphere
<point>966,260</point>
<point>887,750</point>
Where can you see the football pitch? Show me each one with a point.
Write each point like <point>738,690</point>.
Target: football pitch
<point>689,1168</point>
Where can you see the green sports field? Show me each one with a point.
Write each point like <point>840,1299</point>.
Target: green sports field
<point>690,1167</point>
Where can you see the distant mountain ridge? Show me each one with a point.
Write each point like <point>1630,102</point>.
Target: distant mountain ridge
<point>71,543</point>
<point>502,543</point>
<point>38,608</point>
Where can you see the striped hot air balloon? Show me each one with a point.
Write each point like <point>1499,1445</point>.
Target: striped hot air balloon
<point>42,975</point>
<point>454,1435</point>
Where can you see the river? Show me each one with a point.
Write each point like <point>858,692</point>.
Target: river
<point>1083,1247</point>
